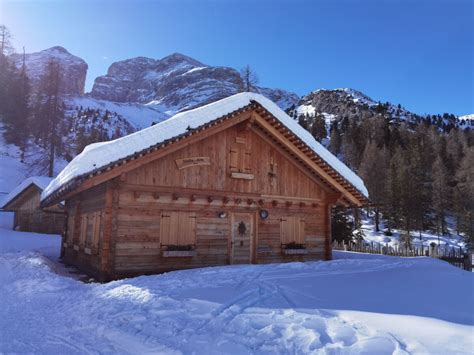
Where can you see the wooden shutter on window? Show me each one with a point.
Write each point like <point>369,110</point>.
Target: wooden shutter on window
<point>234,157</point>
<point>96,219</point>
<point>247,161</point>
<point>178,228</point>
<point>186,230</point>
<point>240,158</point>
<point>285,231</point>
<point>292,230</point>
<point>165,228</point>
<point>82,235</point>
<point>299,231</point>
<point>89,229</point>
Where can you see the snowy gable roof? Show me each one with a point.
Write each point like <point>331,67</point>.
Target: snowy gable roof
<point>39,181</point>
<point>100,155</point>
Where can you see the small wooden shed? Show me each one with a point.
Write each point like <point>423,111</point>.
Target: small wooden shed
<point>24,201</point>
<point>235,181</point>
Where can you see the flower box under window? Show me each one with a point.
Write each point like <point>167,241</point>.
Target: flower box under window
<point>294,249</point>
<point>174,251</point>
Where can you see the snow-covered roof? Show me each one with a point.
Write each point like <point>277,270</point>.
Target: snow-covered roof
<point>99,155</point>
<point>40,181</point>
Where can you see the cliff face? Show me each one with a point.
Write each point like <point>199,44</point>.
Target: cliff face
<point>174,83</point>
<point>73,69</point>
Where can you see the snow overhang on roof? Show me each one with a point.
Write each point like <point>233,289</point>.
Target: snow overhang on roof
<point>41,182</point>
<point>99,156</point>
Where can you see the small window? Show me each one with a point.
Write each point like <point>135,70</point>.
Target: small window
<point>178,229</point>
<point>240,158</point>
<point>292,230</point>
<point>89,236</point>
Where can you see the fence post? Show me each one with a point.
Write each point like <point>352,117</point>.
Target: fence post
<point>467,261</point>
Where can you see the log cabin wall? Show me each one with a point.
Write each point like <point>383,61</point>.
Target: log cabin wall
<point>83,237</point>
<point>29,217</point>
<point>237,172</point>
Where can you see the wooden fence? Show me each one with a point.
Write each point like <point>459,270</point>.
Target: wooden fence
<point>455,256</point>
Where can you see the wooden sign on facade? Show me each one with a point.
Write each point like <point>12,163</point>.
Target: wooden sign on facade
<point>194,161</point>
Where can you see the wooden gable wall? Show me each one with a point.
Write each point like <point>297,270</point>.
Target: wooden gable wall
<point>273,172</point>
<point>28,199</point>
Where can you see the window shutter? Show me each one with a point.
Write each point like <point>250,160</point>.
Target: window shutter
<point>234,158</point>
<point>187,232</point>
<point>165,228</point>
<point>96,230</point>
<point>284,231</point>
<point>82,235</point>
<point>247,161</point>
<point>292,230</point>
<point>178,228</point>
<point>301,231</point>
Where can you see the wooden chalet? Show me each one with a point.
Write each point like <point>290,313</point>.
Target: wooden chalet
<point>236,181</point>
<point>24,201</point>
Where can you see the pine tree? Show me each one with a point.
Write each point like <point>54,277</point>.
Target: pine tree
<point>441,194</point>
<point>465,196</point>
<point>6,47</point>
<point>14,101</point>
<point>49,112</point>
<point>341,225</point>
<point>373,169</point>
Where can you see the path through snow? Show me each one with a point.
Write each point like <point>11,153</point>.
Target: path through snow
<point>355,304</point>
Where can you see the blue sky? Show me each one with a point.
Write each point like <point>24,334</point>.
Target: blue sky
<point>417,53</point>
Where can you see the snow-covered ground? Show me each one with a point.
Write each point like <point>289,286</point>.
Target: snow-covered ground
<point>452,240</point>
<point>354,304</point>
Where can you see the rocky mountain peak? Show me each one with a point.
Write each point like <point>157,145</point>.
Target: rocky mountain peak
<point>56,49</point>
<point>181,58</point>
<point>174,83</point>
<point>73,69</point>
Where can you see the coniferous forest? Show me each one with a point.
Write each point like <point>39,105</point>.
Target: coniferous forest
<point>419,174</point>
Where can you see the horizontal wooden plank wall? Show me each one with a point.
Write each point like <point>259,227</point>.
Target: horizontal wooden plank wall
<point>138,246</point>
<point>74,252</point>
<point>131,208</point>
<point>39,221</point>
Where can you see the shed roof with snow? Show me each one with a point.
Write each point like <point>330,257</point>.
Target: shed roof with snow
<point>41,182</point>
<point>98,158</point>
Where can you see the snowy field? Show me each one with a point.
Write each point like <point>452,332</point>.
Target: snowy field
<point>354,304</point>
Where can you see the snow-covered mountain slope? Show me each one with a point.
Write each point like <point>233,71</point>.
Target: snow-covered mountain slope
<point>467,117</point>
<point>15,168</point>
<point>73,69</point>
<point>138,115</point>
<point>356,304</point>
<point>339,103</point>
<point>175,83</point>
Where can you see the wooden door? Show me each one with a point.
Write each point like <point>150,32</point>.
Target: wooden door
<point>242,238</point>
